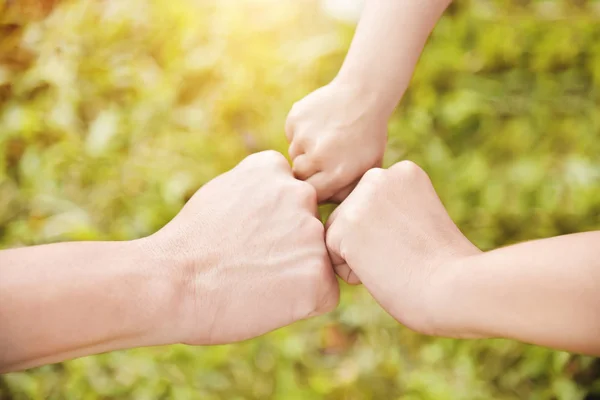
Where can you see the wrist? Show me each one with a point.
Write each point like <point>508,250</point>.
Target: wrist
<point>163,300</point>
<point>376,100</point>
<point>454,308</point>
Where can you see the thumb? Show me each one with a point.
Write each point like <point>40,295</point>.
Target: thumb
<point>340,266</point>
<point>346,274</point>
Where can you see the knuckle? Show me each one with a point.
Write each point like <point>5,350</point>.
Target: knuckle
<point>254,157</point>
<point>314,228</point>
<point>294,149</point>
<point>342,173</point>
<point>374,175</point>
<point>325,148</point>
<point>408,169</point>
<point>290,126</point>
<point>294,109</point>
<point>318,156</point>
<point>294,113</point>
<point>306,141</point>
<point>357,214</point>
<point>304,163</point>
<point>299,143</point>
<point>371,185</point>
<point>273,156</point>
<point>305,191</point>
<point>269,157</point>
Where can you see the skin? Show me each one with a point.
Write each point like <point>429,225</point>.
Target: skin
<point>245,256</point>
<point>339,131</point>
<point>393,234</point>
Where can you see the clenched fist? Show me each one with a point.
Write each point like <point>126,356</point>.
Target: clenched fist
<point>336,134</point>
<point>251,249</point>
<point>393,234</point>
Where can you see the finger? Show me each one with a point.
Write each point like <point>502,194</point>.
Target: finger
<point>307,196</point>
<point>343,193</point>
<point>304,167</point>
<point>346,274</point>
<point>289,128</point>
<point>335,258</point>
<point>271,159</point>
<point>333,241</point>
<point>332,217</point>
<point>299,145</point>
<point>341,268</point>
<point>295,149</point>
<point>323,183</point>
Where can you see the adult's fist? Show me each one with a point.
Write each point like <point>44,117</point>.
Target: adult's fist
<point>393,234</point>
<point>250,248</point>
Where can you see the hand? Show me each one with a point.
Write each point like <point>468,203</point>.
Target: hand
<point>393,234</point>
<point>251,250</point>
<point>336,134</point>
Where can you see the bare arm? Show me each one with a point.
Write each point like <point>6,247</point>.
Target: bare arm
<point>234,264</point>
<point>545,292</point>
<point>339,131</point>
<point>394,235</point>
<point>66,300</point>
<point>387,45</point>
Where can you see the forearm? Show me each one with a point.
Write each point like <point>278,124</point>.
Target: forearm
<point>545,292</point>
<point>389,39</point>
<point>67,300</point>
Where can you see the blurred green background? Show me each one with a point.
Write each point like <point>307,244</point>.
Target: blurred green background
<point>112,113</point>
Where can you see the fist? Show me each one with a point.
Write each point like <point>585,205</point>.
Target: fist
<point>251,250</point>
<point>393,234</point>
<point>336,134</point>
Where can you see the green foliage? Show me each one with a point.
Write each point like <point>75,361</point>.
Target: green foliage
<point>113,113</point>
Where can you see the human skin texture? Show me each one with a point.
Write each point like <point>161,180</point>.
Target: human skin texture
<point>393,234</point>
<point>339,131</point>
<point>245,256</point>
